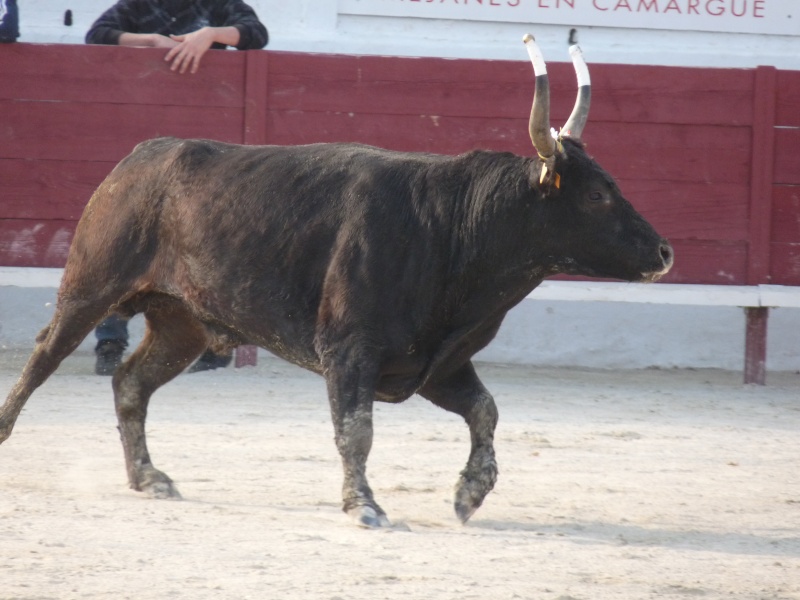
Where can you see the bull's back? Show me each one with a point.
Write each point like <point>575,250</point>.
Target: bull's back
<point>246,236</point>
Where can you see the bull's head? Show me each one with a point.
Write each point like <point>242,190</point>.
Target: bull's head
<point>603,235</point>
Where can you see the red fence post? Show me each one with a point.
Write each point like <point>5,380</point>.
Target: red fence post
<point>761,161</point>
<point>255,98</point>
<point>755,360</point>
<point>255,133</point>
<point>758,257</point>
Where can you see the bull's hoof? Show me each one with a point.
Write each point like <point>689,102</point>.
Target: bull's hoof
<point>368,517</point>
<point>465,509</point>
<point>469,497</point>
<point>163,491</point>
<point>475,482</point>
<point>156,484</point>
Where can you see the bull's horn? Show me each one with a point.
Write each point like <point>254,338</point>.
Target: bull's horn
<point>539,125</point>
<point>580,113</point>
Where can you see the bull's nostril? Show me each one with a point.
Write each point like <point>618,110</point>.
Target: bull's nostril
<point>667,254</point>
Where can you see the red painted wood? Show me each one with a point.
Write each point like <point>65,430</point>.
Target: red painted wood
<point>706,154</point>
<point>787,156</point>
<point>663,152</point>
<point>255,106</point>
<point>118,75</point>
<point>708,262</point>
<point>246,356</point>
<point>681,155</point>
<point>786,213</point>
<point>785,263</point>
<point>691,210</point>
<point>320,83</point>
<point>104,132</point>
<point>755,354</point>
<point>35,243</point>
<point>48,189</point>
<point>786,108</point>
<point>762,152</point>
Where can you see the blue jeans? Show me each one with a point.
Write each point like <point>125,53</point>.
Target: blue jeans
<point>114,328</point>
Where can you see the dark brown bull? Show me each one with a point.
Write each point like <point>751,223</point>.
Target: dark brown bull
<point>383,271</point>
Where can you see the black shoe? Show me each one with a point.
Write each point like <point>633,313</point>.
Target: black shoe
<point>109,356</point>
<point>210,361</point>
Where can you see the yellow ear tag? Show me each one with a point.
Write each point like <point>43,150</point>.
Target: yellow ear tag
<point>557,178</point>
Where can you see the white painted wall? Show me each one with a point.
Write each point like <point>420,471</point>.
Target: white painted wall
<point>317,26</point>
<point>604,335</point>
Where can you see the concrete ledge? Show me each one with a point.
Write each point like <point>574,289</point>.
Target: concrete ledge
<point>659,293</point>
<point>30,277</point>
<point>771,296</point>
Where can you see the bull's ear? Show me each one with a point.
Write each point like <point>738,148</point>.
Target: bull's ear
<point>545,175</point>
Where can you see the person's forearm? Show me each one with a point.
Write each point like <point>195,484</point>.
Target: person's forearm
<point>226,35</point>
<point>136,39</point>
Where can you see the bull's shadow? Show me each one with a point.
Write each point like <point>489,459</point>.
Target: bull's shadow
<point>784,542</point>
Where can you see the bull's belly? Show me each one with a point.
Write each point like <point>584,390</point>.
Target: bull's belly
<point>399,379</point>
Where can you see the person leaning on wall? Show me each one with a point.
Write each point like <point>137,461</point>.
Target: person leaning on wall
<point>187,28</point>
<point>9,21</point>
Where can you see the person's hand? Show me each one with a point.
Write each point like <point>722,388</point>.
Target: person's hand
<point>189,49</point>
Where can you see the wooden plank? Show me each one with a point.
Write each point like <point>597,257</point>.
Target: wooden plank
<point>708,262</point>
<point>675,95</point>
<point>786,213</point>
<point>787,156</point>
<point>762,153</point>
<point>755,346</point>
<point>256,101</point>
<point>705,154</point>
<point>478,88</point>
<point>48,189</point>
<point>788,86</point>
<point>691,210</point>
<point>104,132</point>
<point>35,243</point>
<point>785,263</point>
<point>116,74</point>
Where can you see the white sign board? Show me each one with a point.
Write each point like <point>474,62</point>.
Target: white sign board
<point>778,17</point>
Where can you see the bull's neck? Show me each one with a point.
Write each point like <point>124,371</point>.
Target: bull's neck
<point>498,227</point>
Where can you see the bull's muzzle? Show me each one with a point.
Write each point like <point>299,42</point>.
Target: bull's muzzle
<point>667,256</point>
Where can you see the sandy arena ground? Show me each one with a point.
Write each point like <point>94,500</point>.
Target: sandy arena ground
<point>613,485</point>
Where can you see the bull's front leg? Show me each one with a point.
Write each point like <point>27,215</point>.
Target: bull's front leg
<point>464,394</point>
<point>351,392</point>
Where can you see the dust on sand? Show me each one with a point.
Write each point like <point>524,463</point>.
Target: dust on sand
<point>613,485</point>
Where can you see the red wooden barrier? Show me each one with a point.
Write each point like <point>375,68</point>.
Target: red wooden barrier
<point>710,156</point>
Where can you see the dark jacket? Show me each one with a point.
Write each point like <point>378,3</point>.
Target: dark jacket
<point>178,17</point>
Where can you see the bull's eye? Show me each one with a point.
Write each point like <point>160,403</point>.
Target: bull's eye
<point>596,196</point>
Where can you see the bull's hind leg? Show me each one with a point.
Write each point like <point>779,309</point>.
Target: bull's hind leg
<point>72,322</point>
<point>464,394</point>
<point>172,340</point>
<point>351,390</point>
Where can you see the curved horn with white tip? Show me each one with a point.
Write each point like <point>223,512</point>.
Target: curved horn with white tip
<point>539,124</point>
<point>580,113</point>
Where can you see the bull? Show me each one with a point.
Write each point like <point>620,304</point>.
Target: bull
<point>382,271</point>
